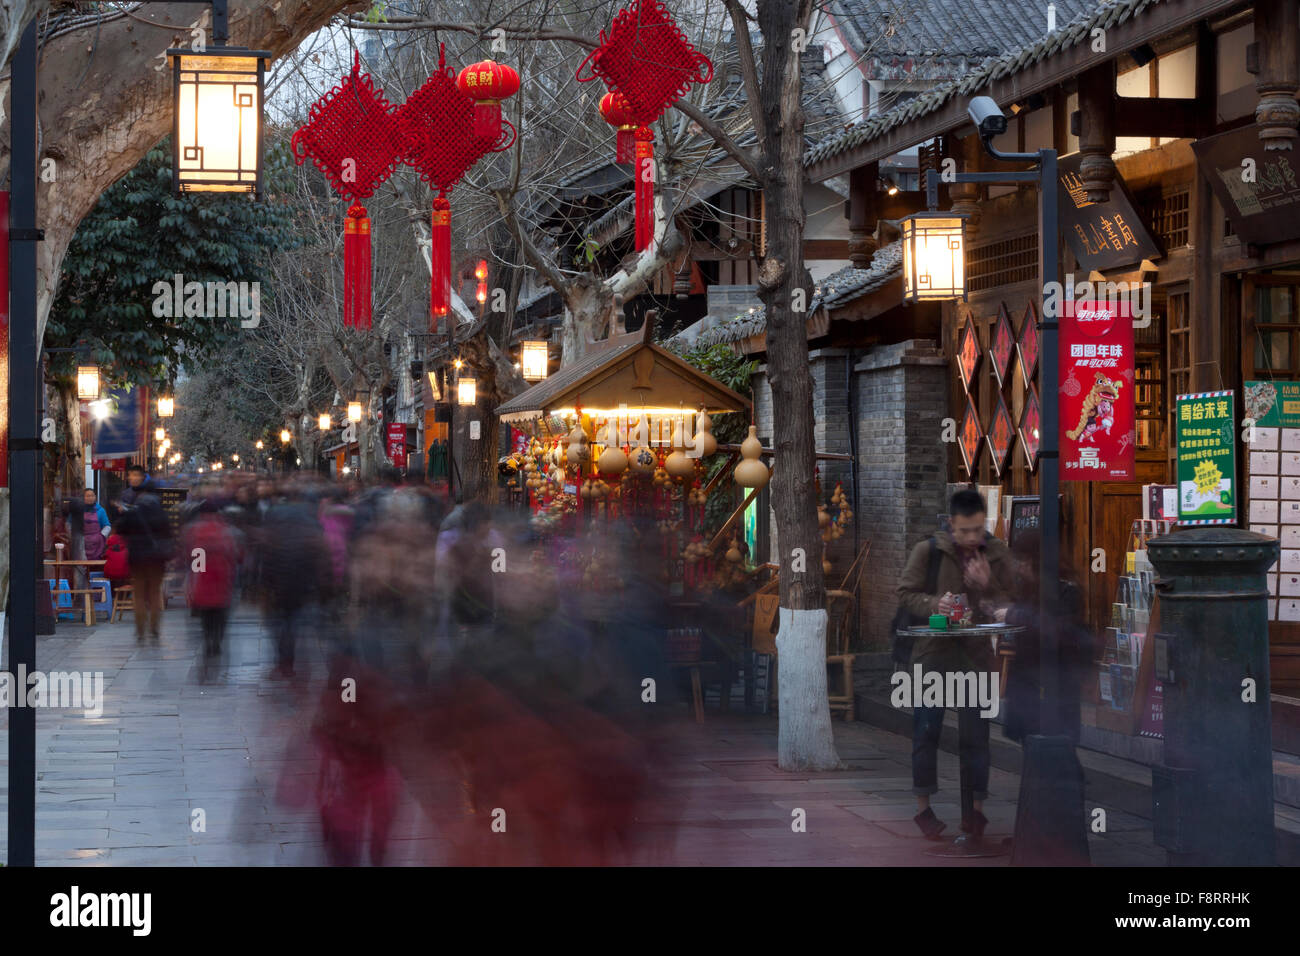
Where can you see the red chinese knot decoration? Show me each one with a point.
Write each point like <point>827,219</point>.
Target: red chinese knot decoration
<point>645,59</point>
<point>357,138</point>
<point>352,136</point>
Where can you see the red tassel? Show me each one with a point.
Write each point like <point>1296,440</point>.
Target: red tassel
<point>487,119</point>
<point>440,263</point>
<point>625,148</point>
<point>356,268</point>
<point>645,188</point>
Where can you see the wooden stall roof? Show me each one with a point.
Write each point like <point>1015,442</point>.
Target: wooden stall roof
<point>624,370</point>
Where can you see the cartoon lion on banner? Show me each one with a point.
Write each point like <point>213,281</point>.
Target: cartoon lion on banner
<point>1098,413</point>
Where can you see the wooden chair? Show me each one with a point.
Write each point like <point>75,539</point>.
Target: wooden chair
<point>123,601</point>
<point>840,608</point>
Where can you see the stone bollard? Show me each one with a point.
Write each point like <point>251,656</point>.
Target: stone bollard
<point>1212,800</point>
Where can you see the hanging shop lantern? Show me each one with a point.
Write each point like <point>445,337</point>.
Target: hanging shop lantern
<point>487,83</point>
<point>87,382</point>
<point>159,434</point>
<point>217,119</point>
<point>617,113</point>
<point>934,256</point>
<point>285,437</point>
<point>535,360</point>
<point>166,406</point>
<point>466,391</point>
<point>324,421</point>
<point>353,137</point>
<point>354,411</point>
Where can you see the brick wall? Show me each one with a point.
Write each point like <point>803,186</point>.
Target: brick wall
<point>901,404</point>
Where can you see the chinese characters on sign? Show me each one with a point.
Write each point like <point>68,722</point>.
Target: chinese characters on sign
<point>1262,206</point>
<point>397,444</point>
<point>1097,418</point>
<point>1102,235</point>
<point>1206,433</point>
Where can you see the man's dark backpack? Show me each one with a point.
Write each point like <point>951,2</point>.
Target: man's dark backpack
<point>901,646</point>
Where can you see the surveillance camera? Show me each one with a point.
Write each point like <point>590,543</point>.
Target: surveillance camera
<point>987,117</point>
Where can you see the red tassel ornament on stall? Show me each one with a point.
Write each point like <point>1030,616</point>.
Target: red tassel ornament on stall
<point>645,188</point>
<point>440,263</point>
<point>356,268</point>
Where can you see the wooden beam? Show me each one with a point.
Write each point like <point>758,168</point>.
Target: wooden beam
<point>1152,24</point>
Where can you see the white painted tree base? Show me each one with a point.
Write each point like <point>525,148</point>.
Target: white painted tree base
<point>804,740</point>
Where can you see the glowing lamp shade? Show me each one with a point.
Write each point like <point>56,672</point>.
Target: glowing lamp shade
<point>216,124</point>
<point>535,360</point>
<point>285,436</point>
<point>259,443</point>
<point>354,411</point>
<point>325,422</point>
<point>934,257</point>
<point>466,391</point>
<point>166,407</point>
<point>159,434</point>
<point>87,382</point>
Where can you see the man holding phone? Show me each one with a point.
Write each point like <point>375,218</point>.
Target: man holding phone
<point>977,567</point>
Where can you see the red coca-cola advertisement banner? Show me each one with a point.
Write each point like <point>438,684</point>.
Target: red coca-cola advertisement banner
<point>397,444</point>
<point>1098,424</point>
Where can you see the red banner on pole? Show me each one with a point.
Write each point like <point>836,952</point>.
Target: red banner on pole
<point>1098,425</point>
<point>397,444</point>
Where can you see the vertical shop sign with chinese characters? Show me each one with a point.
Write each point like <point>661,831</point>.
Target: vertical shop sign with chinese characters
<point>1097,416</point>
<point>1207,458</point>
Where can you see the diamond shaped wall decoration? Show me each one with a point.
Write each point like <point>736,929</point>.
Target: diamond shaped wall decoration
<point>1002,433</point>
<point>970,440</point>
<point>1003,346</point>
<point>968,353</point>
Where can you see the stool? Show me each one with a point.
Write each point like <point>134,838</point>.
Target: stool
<point>63,603</point>
<point>123,601</point>
<point>101,584</point>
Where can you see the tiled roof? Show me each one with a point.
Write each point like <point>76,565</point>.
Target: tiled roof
<point>921,29</point>
<point>1067,35</point>
<point>834,292</point>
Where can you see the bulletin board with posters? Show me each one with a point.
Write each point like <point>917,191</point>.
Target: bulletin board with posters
<point>1273,483</point>
<point>1206,436</point>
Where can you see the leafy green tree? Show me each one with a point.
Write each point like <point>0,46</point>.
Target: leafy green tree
<point>139,234</point>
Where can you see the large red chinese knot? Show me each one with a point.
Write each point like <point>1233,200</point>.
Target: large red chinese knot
<point>646,59</point>
<point>487,84</point>
<point>352,136</point>
<point>439,139</point>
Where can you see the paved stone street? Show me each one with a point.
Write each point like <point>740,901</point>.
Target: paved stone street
<point>121,788</point>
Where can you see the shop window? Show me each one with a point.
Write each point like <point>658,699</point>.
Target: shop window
<point>1277,330</point>
<point>1002,263</point>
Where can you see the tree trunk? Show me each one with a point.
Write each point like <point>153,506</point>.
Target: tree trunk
<point>587,302</point>
<point>805,738</point>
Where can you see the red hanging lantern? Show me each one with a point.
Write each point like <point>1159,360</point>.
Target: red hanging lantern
<point>645,188</point>
<point>616,111</point>
<point>352,136</point>
<point>488,83</point>
<point>440,262</point>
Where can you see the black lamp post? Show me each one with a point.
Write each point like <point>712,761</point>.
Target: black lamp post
<point>1050,825</point>
<point>217,143</point>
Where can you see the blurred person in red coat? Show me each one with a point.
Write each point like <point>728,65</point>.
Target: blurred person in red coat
<point>213,553</point>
